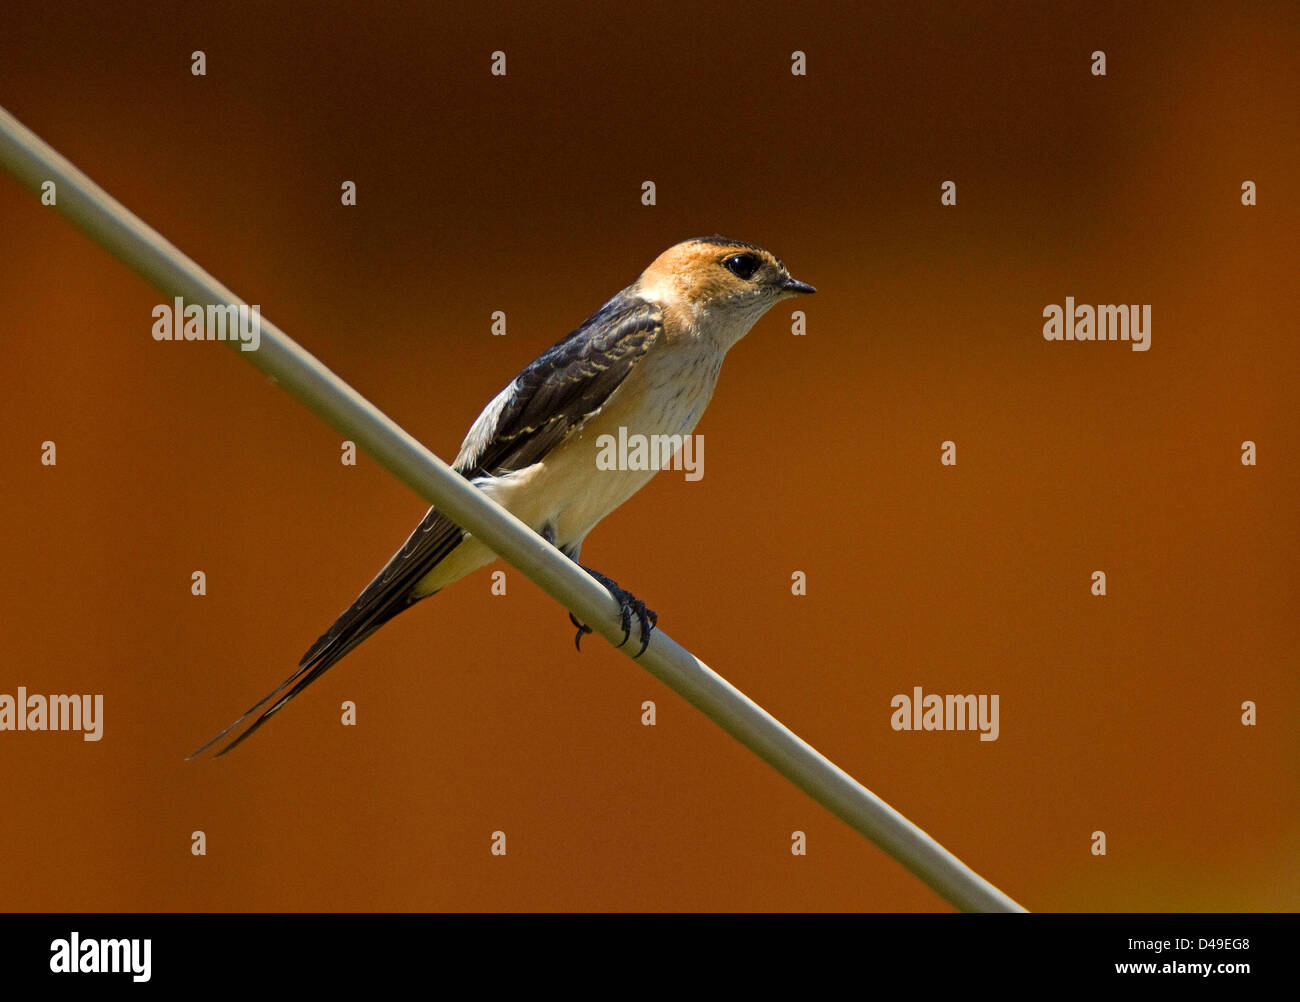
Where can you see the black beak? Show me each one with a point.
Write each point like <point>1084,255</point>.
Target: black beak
<point>794,285</point>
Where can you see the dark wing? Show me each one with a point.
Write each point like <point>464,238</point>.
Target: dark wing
<point>551,398</point>
<point>562,390</point>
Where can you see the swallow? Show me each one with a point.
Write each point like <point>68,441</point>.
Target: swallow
<point>646,362</point>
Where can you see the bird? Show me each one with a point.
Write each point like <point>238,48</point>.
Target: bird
<point>647,361</point>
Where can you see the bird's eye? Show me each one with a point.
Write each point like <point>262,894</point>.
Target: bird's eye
<point>742,265</point>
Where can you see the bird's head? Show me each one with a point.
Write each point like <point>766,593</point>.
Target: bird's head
<point>723,286</point>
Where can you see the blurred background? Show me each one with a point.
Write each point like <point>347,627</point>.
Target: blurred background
<point>479,193</point>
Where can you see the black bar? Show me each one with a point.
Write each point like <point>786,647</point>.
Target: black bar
<point>894,954</point>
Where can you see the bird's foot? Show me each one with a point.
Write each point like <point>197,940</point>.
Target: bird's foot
<point>628,606</point>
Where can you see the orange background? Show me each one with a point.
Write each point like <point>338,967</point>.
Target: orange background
<point>522,194</point>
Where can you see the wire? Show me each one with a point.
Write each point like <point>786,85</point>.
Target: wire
<point>140,247</point>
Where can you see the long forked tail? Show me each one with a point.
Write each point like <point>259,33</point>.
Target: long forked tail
<point>392,591</point>
<point>309,669</point>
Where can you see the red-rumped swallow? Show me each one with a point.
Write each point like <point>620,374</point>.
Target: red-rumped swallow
<point>646,361</point>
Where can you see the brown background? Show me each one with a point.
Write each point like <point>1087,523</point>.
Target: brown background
<point>522,194</point>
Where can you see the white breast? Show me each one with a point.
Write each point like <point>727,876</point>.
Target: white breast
<point>665,394</point>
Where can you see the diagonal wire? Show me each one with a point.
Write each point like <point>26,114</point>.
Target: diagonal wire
<point>140,247</point>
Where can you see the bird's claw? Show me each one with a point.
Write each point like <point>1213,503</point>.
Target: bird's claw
<point>582,628</point>
<point>628,606</point>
